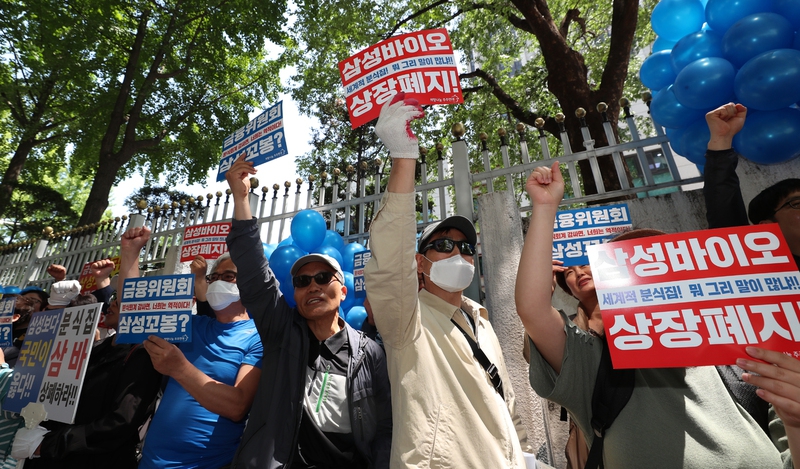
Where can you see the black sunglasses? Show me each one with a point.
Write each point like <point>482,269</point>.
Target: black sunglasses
<point>447,245</point>
<point>322,278</point>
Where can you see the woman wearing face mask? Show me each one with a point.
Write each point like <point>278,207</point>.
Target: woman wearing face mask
<point>212,379</point>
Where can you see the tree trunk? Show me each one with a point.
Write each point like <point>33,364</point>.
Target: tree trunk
<point>97,202</point>
<point>11,176</point>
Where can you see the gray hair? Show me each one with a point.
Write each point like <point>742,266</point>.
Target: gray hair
<point>221,258</point>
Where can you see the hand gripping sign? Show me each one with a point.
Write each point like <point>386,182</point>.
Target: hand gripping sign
<point>52,361</point>
<point>160,306</point>
<point>421,64</point>
<point>697,298</point>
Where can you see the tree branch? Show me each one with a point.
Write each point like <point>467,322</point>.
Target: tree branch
<point>416,14</point>
<point>573,14</point>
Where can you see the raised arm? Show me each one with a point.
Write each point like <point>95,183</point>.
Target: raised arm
<point>257,284</point>
<point>723,196</point>
<point>391,274</point>
<point>542,322</point>
<point>131,244</point>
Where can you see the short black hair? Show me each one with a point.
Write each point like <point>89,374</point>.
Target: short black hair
<point>763,206</point>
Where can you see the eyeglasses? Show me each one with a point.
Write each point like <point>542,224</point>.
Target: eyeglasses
<point>322,278</point>
<point>31,300</point>
<point>447,245</point>
<point>227,276</point>
<point>793,203</point>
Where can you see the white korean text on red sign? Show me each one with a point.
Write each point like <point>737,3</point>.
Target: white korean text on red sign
<point>206,240</point>
<point>420,64</point>
<point>697,298</point>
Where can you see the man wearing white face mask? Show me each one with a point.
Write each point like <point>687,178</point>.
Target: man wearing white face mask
<point>212,379</point>
<point>451,395</point>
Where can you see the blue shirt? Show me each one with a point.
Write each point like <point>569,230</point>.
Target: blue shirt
<point>183,433</point>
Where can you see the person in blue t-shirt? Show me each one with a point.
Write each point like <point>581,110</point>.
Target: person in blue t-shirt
<point>212,380</point>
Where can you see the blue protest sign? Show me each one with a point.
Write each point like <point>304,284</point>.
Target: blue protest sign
<point>6,317</point>
<point>160,306</point>
<point>360,260</point>
<point>263,140</point>
<point>53,360</point>
<point>575,230</point>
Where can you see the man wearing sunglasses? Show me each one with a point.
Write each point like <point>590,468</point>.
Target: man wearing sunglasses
<point>451,391</point>
<point>324,396</point>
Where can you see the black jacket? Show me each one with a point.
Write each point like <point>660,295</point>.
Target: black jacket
<point>270,437</point>
<point>118,393</point>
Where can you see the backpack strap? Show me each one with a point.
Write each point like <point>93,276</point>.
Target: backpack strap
<point>487,364</point>
<point>612,390</point>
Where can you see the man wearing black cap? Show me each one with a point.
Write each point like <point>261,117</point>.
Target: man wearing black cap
<point>323,400</point>
<point>449,381</point>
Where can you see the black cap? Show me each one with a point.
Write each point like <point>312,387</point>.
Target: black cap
<point>456,222</point>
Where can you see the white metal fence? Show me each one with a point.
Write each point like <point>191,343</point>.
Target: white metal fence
<point>342,197</point>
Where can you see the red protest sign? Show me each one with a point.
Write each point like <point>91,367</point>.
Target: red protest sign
<point>205,240</point>
<point>421,64</point>
<point>697,298</point>
<point>87,280</point>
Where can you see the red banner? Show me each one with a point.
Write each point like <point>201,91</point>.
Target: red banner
<point>87,280</point>
<point>697,298</point>
<point>205,240</point>
<point>421,64</point>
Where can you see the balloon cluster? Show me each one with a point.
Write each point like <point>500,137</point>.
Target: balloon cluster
<point>309,235</point>
<point>711,52</point>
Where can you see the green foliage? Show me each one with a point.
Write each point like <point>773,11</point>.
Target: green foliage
<point>486,35</point>
<point>155,196</point>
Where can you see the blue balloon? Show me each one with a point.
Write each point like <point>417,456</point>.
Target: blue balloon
<point>796,44</point>
<point>661,44</point>
<point>269,249</point>
<point>333,239</point>
<point>656,71</point>
<point>675,136</point>
<point>769,137</point>
<point>755,34</point>
<point>347,255</point>
<point>770,81</point>
<point>668,112</point>
<point>286,242</point>
<point>330,251</point>
<point>349,299</point>
<point>693,47</point>
<point>722,14</point>
<point>308,229</point>
<point>282,260</point>
<point>356,317</point>
<point>789,9</point>
<point>695,141</point>
<point>705,84</point>
<point>673,19</point>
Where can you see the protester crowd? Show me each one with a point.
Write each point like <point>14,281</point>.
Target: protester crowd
<point>270,381</point>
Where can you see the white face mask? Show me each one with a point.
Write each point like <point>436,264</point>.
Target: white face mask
<point>453,274</point>
<point>221,294</point>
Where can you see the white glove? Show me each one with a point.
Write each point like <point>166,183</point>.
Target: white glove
<point>26,441</point>
<point>61,293</point>
<point>393,127</point>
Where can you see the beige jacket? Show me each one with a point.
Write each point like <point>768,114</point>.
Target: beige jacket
<point>446,412</point>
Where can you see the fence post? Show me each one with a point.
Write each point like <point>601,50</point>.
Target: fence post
<point>32,271</point>
<point>464,207</point>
